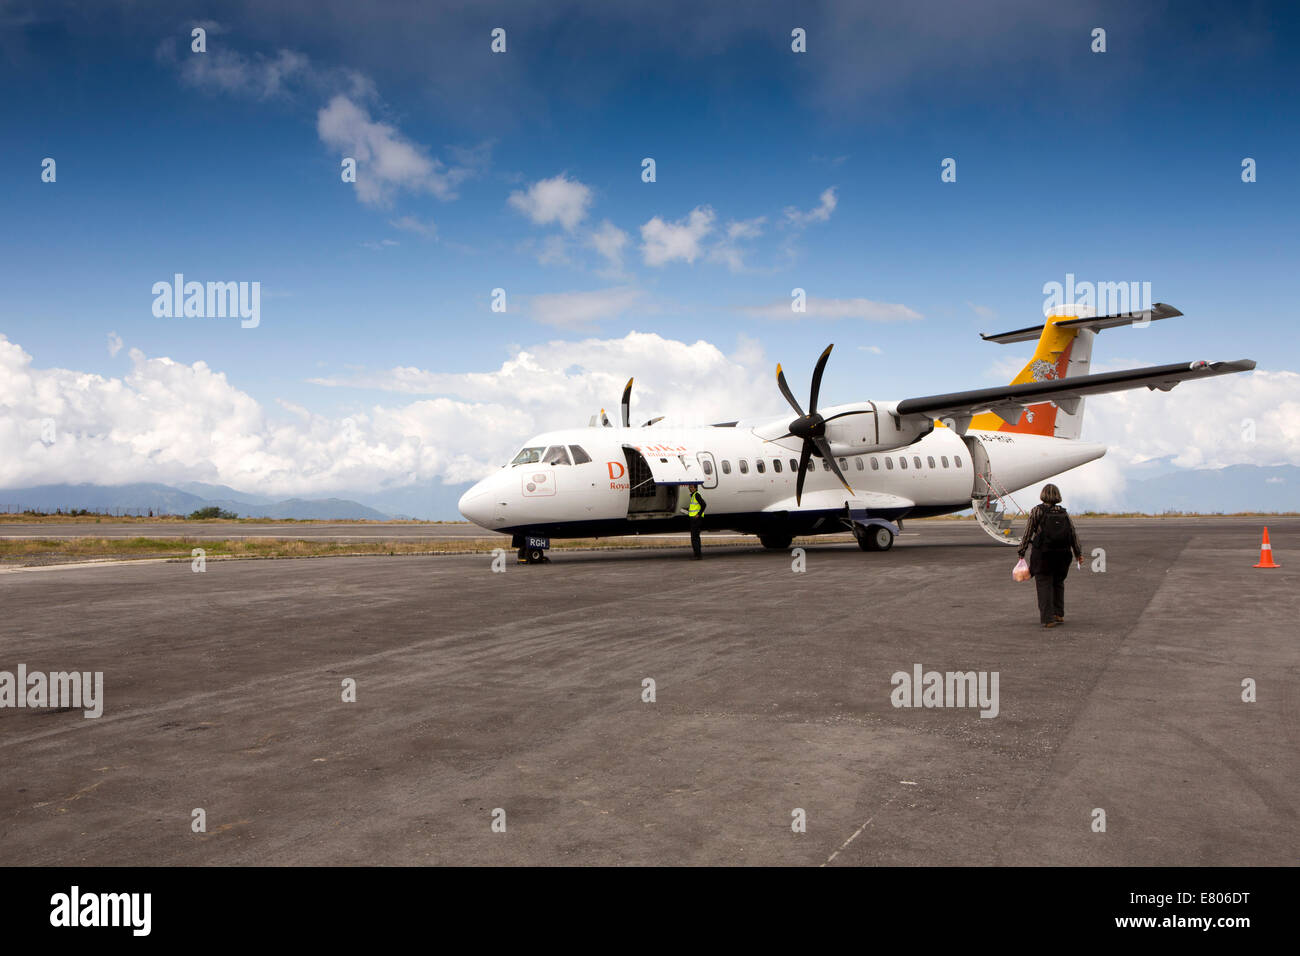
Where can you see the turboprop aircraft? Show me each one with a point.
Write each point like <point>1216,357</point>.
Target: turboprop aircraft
<point>861,467</point>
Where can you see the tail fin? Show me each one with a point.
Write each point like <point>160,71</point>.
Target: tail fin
<point>1063,351</point>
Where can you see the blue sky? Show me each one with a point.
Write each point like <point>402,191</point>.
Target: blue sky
<point>1115,166</point>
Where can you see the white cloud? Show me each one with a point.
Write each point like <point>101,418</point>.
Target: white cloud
<point>579,310</point>
<point>380,245</point>
<point>729,251</point>
<point>983,311</point>
<point>873,349</point>
<point>864,309</point>
<point>114,343</point>
<point>829,200</point>
<point>609,241</point>
<point>259,76</point>
<point>386,160</point>
<point>556,200</point>
<point>664,242</point>
<point>169,422</point>
<point>411,224</point>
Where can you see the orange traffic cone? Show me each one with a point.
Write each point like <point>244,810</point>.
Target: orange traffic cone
<point>1266,554</point>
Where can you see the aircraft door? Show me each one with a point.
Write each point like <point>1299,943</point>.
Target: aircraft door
<point>710,469</point>
<point>979,460</point>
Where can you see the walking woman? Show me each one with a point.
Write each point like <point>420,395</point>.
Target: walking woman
<point>1051,532</point>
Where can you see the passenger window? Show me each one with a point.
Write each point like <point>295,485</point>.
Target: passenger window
<point>944,460</point>
<point>557,455</point>
<point>889,463</point>
<point>929,460</point>
<point>580,456</point>
<point>826,464</point>
<point>902,461</point>
<point>726,467</point>
<point>844,465</point>
<point>875,463</point>
<point>762,468</point>
<point>708,467</point>
<point>916,460</point>
<point>794,465</point>
<point>957,460</point>
<point>858,461</point>
<point>776,465</point>
<point>744,467</point>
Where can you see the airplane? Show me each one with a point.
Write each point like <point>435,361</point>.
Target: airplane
<point>861,467</point>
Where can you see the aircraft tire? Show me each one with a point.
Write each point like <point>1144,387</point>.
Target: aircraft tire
<point>875,538</point>
<point>775,542</point>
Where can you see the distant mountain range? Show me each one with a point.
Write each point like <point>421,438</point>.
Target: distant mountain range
<point>1235,488</point>
<point>141,498</point>
<point>1205,490</point>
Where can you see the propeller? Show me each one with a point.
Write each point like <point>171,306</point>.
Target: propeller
<point>811,427</point>
<point>627,404</point>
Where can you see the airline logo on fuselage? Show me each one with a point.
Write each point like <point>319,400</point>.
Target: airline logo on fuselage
<point>614,483</point>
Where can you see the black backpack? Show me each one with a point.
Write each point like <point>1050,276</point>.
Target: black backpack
<point>1054,532</point>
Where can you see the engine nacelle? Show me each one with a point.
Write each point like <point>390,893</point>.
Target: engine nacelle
<point>878,428</point>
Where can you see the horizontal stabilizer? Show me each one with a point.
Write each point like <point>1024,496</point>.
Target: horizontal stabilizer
<point>1005,399</point>
<point>1094,323</point>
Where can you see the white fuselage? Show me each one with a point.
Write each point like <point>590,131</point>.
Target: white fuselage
<point>600,497</point>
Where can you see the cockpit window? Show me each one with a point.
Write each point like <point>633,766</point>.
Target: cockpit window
<point>580,456</point>
<point>529,456</point>
<point>556,455</point>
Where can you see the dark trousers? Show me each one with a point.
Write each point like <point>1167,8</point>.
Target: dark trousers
<point>695,536</point>
<point>1049,578</point>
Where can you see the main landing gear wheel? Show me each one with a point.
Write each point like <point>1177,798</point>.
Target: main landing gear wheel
<point>532,556</point>
<point>775,542</point>
<point>875,538</point>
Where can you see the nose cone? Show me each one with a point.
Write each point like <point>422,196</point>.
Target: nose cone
<point>476,505</point>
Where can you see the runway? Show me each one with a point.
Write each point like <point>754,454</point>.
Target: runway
<point>522,691</point>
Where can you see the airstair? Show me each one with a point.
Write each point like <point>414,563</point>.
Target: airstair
<point>996,511</point>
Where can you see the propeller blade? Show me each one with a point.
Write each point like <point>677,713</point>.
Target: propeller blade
<point>785,390</point>
<point>652,421</point>
<point>803,470</point>
<point>824,447</point>
<point>817,379</point>
<point>604,419</point>
<point>627,404</point>
<point>864,411</point>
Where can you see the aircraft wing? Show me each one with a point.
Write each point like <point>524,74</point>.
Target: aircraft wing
<point>1008,401</point>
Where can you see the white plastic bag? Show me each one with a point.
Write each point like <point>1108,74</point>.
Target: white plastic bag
<point>1021,571</point>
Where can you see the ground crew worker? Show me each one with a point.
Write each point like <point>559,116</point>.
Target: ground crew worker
<point>1052,534</point>
<point>694,510</point>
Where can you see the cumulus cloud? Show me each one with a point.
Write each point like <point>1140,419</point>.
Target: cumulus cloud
<point>663,242</point>
<point>821,213</point>
<point>579,310</point>
<point>386,160</point>
<point>817,308</point>
<point>609,241</point>
<point>258,76</point>
<point>729,251</point>
<point>169,422</point>
<point>558,200</point>
<point>114,343</point>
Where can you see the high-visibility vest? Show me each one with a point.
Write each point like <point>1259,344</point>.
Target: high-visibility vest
<point>695,507</point>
